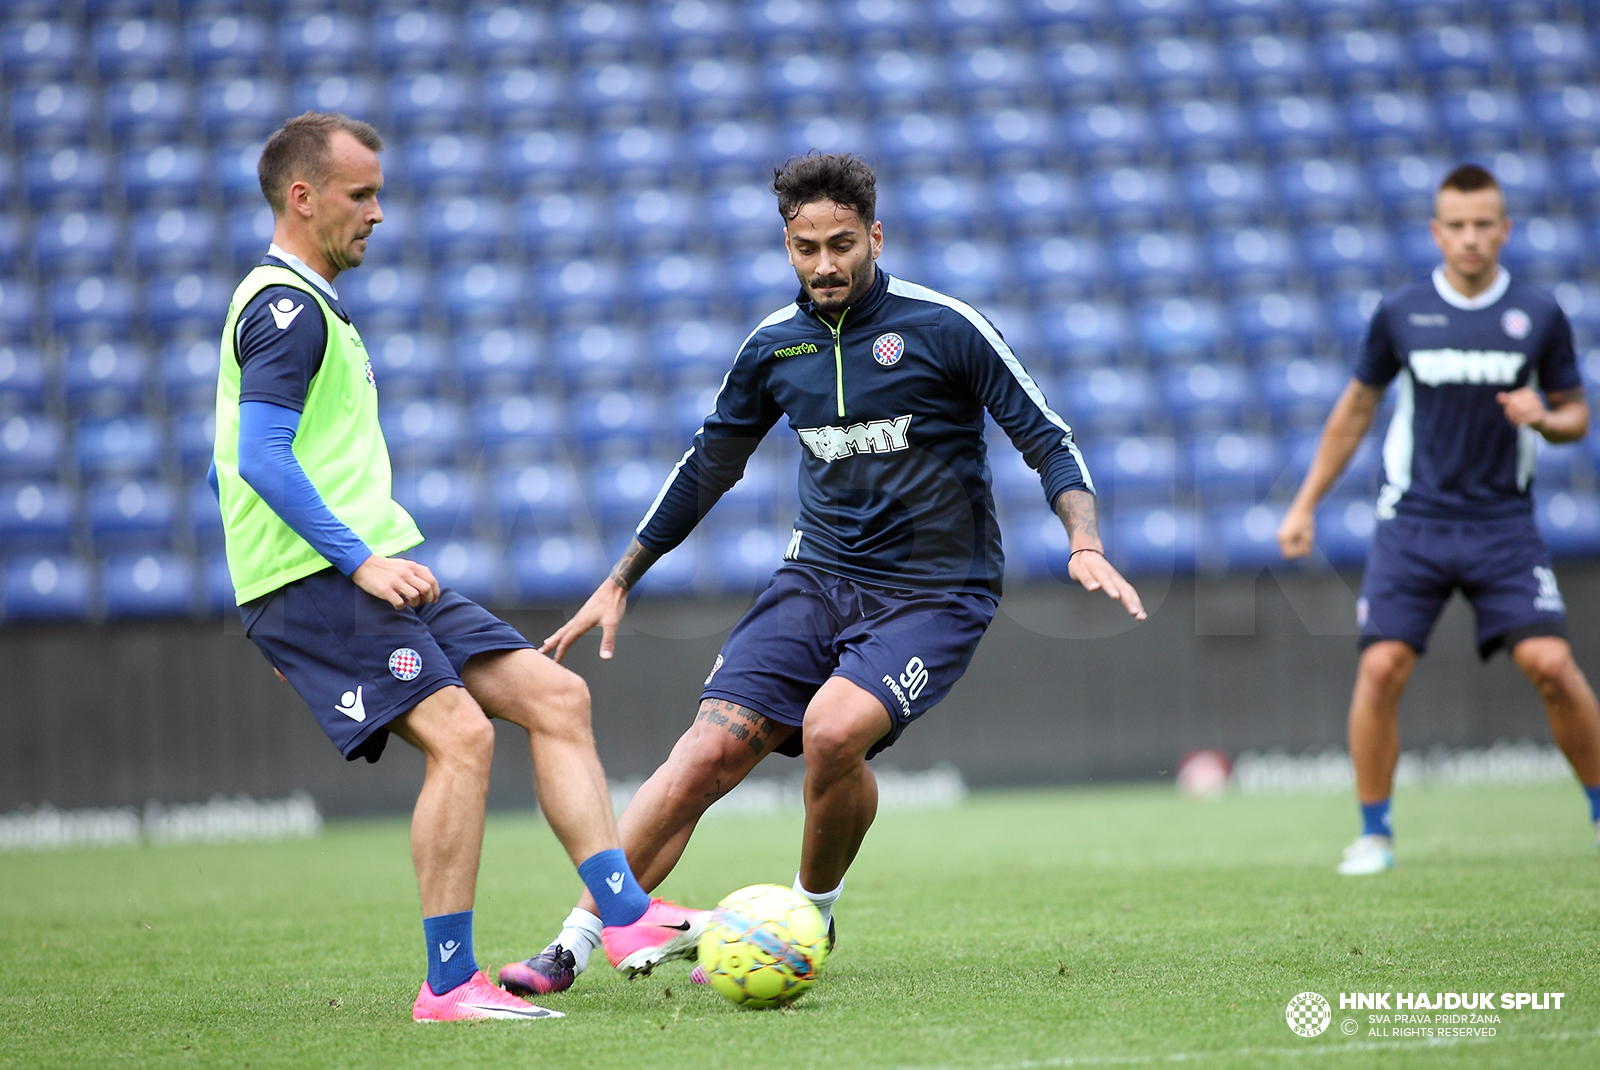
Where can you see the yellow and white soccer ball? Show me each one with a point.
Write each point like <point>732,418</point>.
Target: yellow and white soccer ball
<point>763,946</point>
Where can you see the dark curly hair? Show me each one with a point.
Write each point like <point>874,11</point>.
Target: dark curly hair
<point>843,178</point>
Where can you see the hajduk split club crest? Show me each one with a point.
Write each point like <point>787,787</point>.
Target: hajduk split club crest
<point>888,349</point>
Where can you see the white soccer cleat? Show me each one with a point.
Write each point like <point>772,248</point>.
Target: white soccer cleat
<point>1368,855</point>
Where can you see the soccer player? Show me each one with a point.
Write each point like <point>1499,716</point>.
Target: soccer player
<point>369,640</point>
<point>893,570</point>
<point>1472,351</point>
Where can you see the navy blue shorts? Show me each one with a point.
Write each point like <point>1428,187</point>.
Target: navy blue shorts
<point>906,647</point>
<point>1502,566</point>
<point>358,662</point>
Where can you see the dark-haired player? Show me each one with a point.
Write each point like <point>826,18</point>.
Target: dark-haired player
<point>368,639</point>
<point>1471,352</point>
<point>892,573</point>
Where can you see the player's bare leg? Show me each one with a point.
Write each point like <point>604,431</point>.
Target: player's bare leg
<point>1569,701</point>
<point>1381,678</point>
<point>842,723</point>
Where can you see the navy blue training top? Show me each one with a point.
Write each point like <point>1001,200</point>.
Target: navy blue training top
<point>1450,452</point>
<point>894,491</point>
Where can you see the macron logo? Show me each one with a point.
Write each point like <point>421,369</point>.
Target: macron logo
<point>351,706</point>
<point>614,882</point>
<point>837,443</point>
<point>448,949</point>
<point>284,313</point>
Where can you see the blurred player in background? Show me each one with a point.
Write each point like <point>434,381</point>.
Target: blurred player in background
<point>893,570</point>
<point>1472,351</point>
<point>368,639</point>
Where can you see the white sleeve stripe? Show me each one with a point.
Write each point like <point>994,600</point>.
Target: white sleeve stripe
<point>779,316</point>
<point>902,288</point>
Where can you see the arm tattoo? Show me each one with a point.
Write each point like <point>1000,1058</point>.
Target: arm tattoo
<point>634,563</point>
<point>1076,510</point>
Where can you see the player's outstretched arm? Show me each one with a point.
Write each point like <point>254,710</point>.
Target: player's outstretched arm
<point>1343,431</point>
<point>1565,419</point>
<point>397,581</point>
<point>606,606</point>
<point>1088,564</point>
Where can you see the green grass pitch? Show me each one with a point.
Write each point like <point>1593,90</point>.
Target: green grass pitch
<point>1099,927</point>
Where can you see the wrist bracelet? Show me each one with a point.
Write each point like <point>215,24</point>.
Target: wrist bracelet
<point>1086,550</point>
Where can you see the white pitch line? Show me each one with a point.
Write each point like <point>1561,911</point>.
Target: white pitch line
<point>1243,1053</point>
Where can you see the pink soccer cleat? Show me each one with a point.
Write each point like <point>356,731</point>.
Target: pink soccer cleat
<point>664,932</point>
<point>475,999</point>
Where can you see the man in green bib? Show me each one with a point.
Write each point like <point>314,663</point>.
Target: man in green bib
<point>369,640</point>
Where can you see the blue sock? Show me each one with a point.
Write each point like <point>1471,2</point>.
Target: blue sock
<point>1375,819</point>
<point>451,962</point>
<point>610,881</point>
<point>1594,801</point>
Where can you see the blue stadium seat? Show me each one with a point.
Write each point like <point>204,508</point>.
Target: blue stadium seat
<point>1321,190</point>
<point>544,159</point>
<point>1156,262</point>
<point>579,290</point>
<point>1108,400</point>
<point>1015,485</point>
<point>519,427</point>
<point>405,364</point>
<point>1580,302</point>
<point>710,87</point>
<point>1037,548</point>
<point>1406,185</point>
<point>45,588</point>
<point>741,216</point>
<point>1276,324</point>
<point>804,84</point>
<point>10,243</point>
<point>30,446</point>
<point>559,223</point>
<point>323,42</point>
<point>1225,194</point>
<point>1416,248</point>
<point>1481,120</point>
<point>1455,56</point>
<point>602,30</point>
<point>1251,259</point>
<point>441,500</point>
<point>1199,130</point>
<point>417,39</point>
<point>240,109</point>
<point>1580,175</point>
<point>133,48</point>
<point>560,568</point>
<point>118,446</point>
<point>1546,249</point>
<point>1570,523</point>
<point>1206,397</point>
<point>1109,133</point>
<point>1299,392</point>
<point>391,298</point>
<point>973,271</point>
<point>235,175</point>
<point>429,101</point>
<point>1349,312</point>
<point>1034,202</point>
<point>536,499</point>
<point>1568,117</point>
<point>879,23</point>
<point>97,306</point>
<point>1132,198</point>
<point>1347,255</point>
<point>754,499</point>
<point>922,143</point>
<point>471,567</point>
<point>249,234</point>
<point>422,432</point>
<point>825,133</point>
<point>1246,535</point>
<point>747,557</point>
<point>523,99</point>
<point>1156,541</point>
<point>498,361</point>
<point>163,175</point>
<point>763,280</point>
<point>76,242</point>
<point>105,379</point>
<point>65,178</point>
<point>194,435</point>
<point>506,36</point>
<point>1056,20</point>
<point>50,115</point>
<point>1525,179</point>
<point>1086,71</point>
<point>615,423</point>
<point>1344,530</point>
<point>227,45</point>
<point>732,150</point>
<point>620,491</point>
<point>130,514</point>
<point>147,585</point>
<point>1180,329</point>
<point>1362,475</point>
<point>894,82</point>
<point>36,516</point>
<point>355,96</point>
<point>39,51</point>
<point>677,283</point>
<point>1153,18</point>
<point>1176,68</point>
<point>1268,64</point>
<point>172,239</point>
<point>597,356</point>
<point>216,585</point>
<point>188,375</point>
<point>695,352</point>
<point>1560,467</point>
<point>639,155</point>
<point>1342,14</point>
<point>1059,267</point>
<point>22,379</point>
<point>613,93</point>
<point>1133,469</point>
<point>1014,139</point>
<point>1233,466</point>
<point>445,164</point>
<point>190,303</point>
<point>147,112</point>
<point>1295,126</point>
<point>1546,53</point>
<point>990,77</point>
<point>974,21</point>
<point>463,229</point>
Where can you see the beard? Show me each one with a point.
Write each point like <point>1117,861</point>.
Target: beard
<point>858,285</point>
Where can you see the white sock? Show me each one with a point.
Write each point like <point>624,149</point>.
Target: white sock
<point>580,934</point>
<point>822,900</point>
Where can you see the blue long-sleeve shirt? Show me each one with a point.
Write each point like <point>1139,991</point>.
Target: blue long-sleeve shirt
<point>894,474</point>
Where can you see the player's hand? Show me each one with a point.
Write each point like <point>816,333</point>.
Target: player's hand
<point>1296,533</point>
<point>397,581</point>
<point>1524,407</point>
<point>605,608</point>
<point>1095,573</point>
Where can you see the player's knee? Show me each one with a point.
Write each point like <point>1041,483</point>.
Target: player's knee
<point>1547,665</point>
<point>834,743</point>
<point>1387,666</point>
<point>463,735</point>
